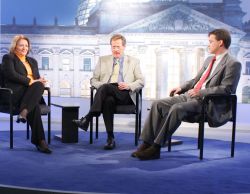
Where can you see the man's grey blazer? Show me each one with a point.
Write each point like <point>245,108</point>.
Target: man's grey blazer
<point>224,80</point>
<point>131,73</point>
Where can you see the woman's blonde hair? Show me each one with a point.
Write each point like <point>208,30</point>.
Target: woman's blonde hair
<point>15,41</point>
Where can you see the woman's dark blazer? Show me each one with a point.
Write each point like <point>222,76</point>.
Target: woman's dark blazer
<point>14,71</point>
<point>15,74</point>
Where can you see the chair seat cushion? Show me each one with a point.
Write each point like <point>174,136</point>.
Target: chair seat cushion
<point>44,109</point>
<point>125,109</point>
<point>196,119</point>
<point>193,119</point>
<point>6,109</point>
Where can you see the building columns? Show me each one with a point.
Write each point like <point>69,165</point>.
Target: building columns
<point>56,63</point>
<point>161,72</point>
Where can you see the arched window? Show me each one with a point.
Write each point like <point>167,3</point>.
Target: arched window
<point>247,70</point>
<point>86,64</point>
<point>45,63</point>
<point>246,94</point>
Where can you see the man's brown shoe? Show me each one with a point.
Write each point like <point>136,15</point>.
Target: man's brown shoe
<point>141,148</point>
<point>150,153</point>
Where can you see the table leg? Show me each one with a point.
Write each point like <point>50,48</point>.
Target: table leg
<point>69,130</point>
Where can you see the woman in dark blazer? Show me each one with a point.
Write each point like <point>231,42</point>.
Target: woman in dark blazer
<point>21,75</point>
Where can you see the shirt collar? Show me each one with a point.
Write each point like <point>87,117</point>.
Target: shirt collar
<point>121,59</point>
<point>220,56</point>
<point>21,57</point>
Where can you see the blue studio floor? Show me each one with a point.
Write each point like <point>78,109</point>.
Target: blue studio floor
<point>82,167</point>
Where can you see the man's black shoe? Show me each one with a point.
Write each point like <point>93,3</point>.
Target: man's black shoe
<point>21,119</point>
<point>83,123</point>
<point>43,147</point>
<point>110,145</point>
<point>150,153</point>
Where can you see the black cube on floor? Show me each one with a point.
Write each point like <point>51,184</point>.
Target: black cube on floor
<point>69,130</point>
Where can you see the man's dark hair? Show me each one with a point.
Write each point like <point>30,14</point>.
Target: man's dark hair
<point>222,34</point>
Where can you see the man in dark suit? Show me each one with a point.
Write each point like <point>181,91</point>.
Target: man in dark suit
<point>219,75</point>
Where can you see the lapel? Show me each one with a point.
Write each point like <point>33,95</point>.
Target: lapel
<point>20,65</point>
<point>219,66</point>
<point>125,66</point>
<point>32,66</point>
<point>109,65</point>
<point>200,73</point>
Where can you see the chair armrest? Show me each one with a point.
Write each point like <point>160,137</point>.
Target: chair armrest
<point>6,100</point>
<point>6,90</point>
<point>138,100</point>
<point>92,89</point>
<point>6,93</point>
<point>49,95</point>
<point>231,98</point>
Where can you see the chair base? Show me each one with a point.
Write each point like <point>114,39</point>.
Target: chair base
<point>174,142</point>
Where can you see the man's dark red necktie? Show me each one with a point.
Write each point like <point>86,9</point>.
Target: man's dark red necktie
<point>205,76</point>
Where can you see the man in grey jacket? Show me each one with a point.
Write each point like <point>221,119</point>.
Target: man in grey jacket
<point>219,75</point>
<point>117,77</point>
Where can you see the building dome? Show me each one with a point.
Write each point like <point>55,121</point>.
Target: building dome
<point>84,9</point>
<point>86,6</point>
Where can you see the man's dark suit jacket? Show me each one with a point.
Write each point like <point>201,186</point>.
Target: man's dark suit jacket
<point>224,80</point>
